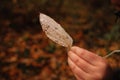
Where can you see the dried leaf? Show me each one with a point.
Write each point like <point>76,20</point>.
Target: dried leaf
<point>54,31</point>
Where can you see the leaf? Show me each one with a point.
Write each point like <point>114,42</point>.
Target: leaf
<point>54,31</point>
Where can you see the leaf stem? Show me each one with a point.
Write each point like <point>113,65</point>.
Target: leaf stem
<point>115,51</point>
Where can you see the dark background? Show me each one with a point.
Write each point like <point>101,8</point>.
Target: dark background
<point>27,54</point>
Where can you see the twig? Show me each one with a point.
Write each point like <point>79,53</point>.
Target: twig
<point>115,51</point>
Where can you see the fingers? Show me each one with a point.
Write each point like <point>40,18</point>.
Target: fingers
<point>89,57</point>
<point>85,66</point>
<point>78,72</point>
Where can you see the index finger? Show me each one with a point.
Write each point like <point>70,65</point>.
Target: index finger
<point>86,55</point>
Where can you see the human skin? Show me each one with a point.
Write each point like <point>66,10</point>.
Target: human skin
<point>86,65</point>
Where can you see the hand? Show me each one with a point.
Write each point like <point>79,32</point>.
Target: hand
<point>86,65</point>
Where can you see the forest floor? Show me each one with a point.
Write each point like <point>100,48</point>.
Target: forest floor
<point>27,54</point>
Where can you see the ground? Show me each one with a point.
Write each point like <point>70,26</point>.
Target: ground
<point>27,54</point>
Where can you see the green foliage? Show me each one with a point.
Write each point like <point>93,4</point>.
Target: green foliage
<point>114,34</point>
<point>28,69</point>
<point>50,48</point>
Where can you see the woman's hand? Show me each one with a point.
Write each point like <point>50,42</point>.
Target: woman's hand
<point>86,65</point>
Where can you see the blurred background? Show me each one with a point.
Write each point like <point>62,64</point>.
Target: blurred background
<point>27,54</point>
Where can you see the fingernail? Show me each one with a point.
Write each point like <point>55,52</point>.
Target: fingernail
<point>74,48</point>
<point>70,63</point>
<point>72,55</point>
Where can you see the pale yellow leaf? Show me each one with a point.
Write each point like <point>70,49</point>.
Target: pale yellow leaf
<point>54,31</point>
